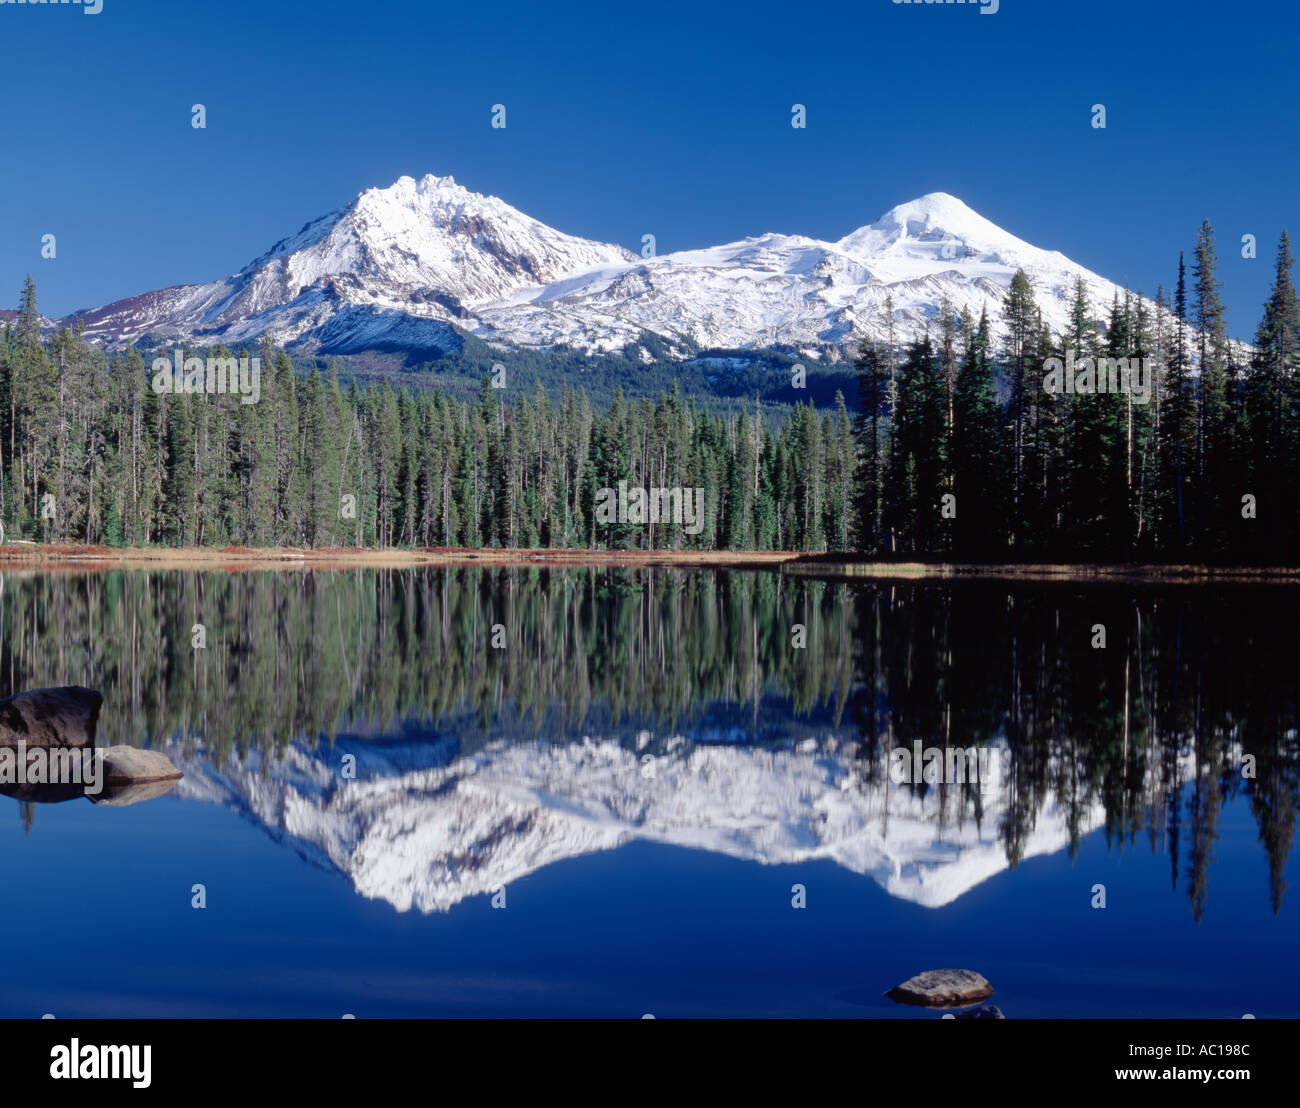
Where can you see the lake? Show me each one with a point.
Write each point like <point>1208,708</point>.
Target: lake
<point>679,792</point>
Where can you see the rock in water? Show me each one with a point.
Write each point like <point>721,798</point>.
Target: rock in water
<point>60,717</point>
<point>983,1012</point>
<point>125,765</point>
<point>942,988</point>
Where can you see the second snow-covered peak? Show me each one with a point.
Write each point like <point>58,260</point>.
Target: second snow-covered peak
<point>933,231</point>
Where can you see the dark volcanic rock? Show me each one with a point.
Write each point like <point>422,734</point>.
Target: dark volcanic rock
<point>943,988</point>
<point>60,717</point>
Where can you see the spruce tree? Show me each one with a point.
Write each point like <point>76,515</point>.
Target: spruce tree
<point>872,371</point>
<point>1020,315</point>
<point>912,489</point>
<point>1179,437</point>
<point>979,454</point>
<point>1212,396</point>
<point>1271,404</point>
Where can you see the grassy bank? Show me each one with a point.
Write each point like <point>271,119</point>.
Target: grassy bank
<point>237,557</point>
<point>826,566</point>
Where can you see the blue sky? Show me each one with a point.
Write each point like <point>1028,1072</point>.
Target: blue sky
<point>671,119</point>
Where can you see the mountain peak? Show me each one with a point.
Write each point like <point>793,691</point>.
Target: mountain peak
<point>429,192</point>
<point>938,200</point>
<point>939,212</point>
<point>931,234</point>
<point>933,203</point>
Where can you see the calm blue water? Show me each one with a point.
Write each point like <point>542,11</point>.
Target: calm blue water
<point>645,928</point>
<point>371,896</point>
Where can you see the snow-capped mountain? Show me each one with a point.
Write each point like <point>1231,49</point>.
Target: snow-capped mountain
<point>431,835</point>
<point>796,291</point>
<point>402,267</point>
<point>393,268</point>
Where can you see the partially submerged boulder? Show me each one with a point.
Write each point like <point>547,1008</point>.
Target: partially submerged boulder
<point>126,765</point>
<point>62,717</point>
<point>56,728</point>
<point>124,776</point>
<point>943,988</point>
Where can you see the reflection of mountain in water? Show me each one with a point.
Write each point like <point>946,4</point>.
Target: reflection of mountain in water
<point>391,663</point>
<point>435,835</point>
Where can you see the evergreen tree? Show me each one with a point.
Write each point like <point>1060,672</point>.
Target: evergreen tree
<point>915,466</point>
<point>1271,404</point>
<point>1179,440</point>
<point>872,371</point>
<point>1020,314</point>
<point>979,454</point>
<point>1212,384</point>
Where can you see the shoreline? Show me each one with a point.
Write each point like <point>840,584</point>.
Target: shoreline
<point>35,556</point>
<point>836,567</point>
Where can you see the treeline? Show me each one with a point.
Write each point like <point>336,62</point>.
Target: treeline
<point>92,453</point>
<point>965,453</point>
<point>721,380</point>
<point>956,449</point>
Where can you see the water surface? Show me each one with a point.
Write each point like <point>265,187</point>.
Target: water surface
<point>640,767</point>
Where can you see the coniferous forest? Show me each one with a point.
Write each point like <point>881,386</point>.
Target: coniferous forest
<point>953,449</point>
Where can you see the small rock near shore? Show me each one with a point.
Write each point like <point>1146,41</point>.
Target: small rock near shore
<point>943,988</point>
<point>126,765</point>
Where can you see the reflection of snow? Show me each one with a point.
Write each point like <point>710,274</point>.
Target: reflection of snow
<point>432,836</point>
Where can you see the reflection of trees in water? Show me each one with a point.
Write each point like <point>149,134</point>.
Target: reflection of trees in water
<point>306,654</point>
<point>1155,727</point>
<point>1151,728</point>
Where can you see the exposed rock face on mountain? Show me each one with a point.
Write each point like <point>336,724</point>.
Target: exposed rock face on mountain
<point>402,267</point>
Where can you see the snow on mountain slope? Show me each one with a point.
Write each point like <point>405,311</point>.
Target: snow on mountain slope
<point>432,836</point>
<point>797,291</point>
<point>402,266</point>
<point>427,250</point>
